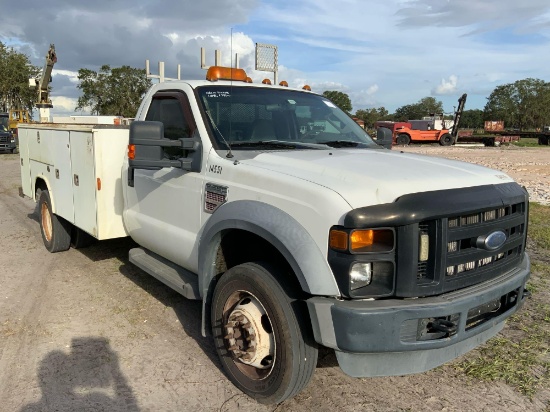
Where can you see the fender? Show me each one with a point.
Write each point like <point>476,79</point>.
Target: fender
<point>48,187</point>
<point>284,232</point>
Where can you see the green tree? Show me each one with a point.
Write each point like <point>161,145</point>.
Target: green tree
<point>371,116</point>
<point>424,107</point>
<point>340,99</point>
<point>116,91</point>
<point>524,104</point>
<point>471,119</point>
<point>15,72</point>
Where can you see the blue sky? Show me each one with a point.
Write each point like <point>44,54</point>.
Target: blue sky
<point>387,53</point>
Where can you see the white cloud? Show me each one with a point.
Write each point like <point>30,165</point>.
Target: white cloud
<point>447,86</point>
<point>372,89</point>
<point>72,75</point>
<point>63,105</point>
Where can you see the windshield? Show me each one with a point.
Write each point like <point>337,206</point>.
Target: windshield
<point>4,123</point>
<point>250,117</point>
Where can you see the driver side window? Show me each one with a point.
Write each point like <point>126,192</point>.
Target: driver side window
<point>172,109</point>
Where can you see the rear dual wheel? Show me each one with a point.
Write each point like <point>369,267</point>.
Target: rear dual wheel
<point>262,336</point>
<point>56,231</point>
<point>80,239</point>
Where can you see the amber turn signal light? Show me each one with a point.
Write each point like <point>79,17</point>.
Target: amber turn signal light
<point>131,151</point>
<point>338,240</point>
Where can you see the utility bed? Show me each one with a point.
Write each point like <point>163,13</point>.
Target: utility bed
<point>82,165</point>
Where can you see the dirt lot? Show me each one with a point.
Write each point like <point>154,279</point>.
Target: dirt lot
<point>528,166</point>
<point>85,330</point>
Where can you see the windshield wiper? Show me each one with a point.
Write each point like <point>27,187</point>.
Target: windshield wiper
<point>274,144</point>
<point>341,143</point>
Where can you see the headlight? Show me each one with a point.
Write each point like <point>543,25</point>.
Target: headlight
<point>371,278</point>
<point>363,261</point>
<point>360,275</point>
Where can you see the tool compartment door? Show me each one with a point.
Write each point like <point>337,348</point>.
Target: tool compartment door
<point>83,181</point>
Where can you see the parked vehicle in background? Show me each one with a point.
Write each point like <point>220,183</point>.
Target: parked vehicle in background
<point>8,140</point>
<point>428,130</point>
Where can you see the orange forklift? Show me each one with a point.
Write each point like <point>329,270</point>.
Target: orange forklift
<point>413,133</point>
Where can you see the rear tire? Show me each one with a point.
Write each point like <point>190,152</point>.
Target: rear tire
<point>262,336</point>
<point>402,139</point>
<point>80,239</point>
<point>56,231</point>
<point>446,140</point>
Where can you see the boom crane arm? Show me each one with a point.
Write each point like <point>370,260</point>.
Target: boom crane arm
<point>458,114</point>
<point>43,94</point>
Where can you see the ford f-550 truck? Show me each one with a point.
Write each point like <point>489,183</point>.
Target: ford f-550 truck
<point>293,227</point>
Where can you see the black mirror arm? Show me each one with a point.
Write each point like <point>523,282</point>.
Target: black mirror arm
<point>184,143</point>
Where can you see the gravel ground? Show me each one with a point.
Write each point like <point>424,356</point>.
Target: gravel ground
<point>86,330</point>
<point>529,166</point>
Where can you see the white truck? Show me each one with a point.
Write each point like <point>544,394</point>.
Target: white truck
<point>293,227</point>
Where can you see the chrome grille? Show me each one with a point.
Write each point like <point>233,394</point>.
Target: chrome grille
<point>460,261</point>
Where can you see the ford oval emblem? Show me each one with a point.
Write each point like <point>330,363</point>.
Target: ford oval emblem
<point>492,241</point>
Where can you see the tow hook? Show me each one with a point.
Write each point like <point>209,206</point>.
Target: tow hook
<point>526,294</point>
<point>444,325</point>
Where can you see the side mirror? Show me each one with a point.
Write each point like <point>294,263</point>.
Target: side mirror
<point>384,137</point>
<point>146,149</point>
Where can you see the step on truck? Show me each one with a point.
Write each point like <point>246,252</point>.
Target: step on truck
<point>294,228</point>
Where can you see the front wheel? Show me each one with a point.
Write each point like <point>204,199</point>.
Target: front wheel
<point>446,140</point>
<point>402,139</point>
<point>262,336</point>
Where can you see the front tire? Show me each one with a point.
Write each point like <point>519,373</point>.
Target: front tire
<point>446,140</point>
<point>402,139</point>
<point>262,336</point>
<point>56,231</point>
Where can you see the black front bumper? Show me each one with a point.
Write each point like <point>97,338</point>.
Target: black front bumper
<point>397,326</point>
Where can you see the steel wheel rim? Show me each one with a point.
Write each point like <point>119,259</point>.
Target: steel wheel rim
<point>46,221</point>
<point>237,335</point>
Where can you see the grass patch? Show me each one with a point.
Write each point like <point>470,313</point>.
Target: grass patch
<point>527,142</point>
<point>520,354</point>
<point>539,225</point>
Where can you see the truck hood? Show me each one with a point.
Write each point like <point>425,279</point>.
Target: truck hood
<point>365,177</point>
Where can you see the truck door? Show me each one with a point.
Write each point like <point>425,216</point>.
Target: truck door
<point>163,208</point>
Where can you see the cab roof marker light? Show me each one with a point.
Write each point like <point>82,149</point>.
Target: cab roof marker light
<point>283,83</point>
<point>266,81</point>
<point>306,87</point>
<point>216,73</point>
